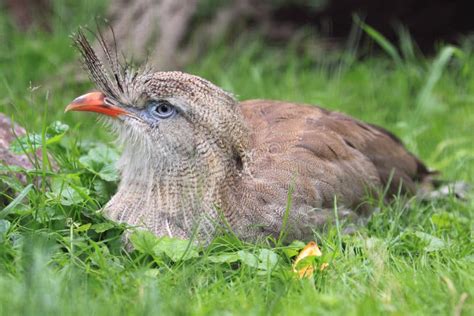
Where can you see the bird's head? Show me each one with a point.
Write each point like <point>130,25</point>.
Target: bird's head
<point>162,118</point>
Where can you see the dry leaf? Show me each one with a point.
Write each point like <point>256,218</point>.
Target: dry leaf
<point>310,250</point>
<point>323,266</point>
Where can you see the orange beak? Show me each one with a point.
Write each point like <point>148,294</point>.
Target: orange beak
<point>94,102</point>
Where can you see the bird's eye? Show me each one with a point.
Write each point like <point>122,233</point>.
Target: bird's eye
<point>162,109</point>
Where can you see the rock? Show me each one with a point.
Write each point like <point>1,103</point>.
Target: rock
<point>8,132</point>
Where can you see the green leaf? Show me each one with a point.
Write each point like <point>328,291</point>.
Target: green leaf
<point>66,194</point>
<point>26,144</point>
<point>57,128</point>
<point>83,228</point>
<point>294,248</point>
<point>143,241</point>
<point>176,249</point>
<point>432,243</point>
<point>263,259</point>
<point>103,190</point>
<point>447,220</point>
<point>33,141</point>
<point>224,258</point>
<point>100,160</point>
<point>102,227</point>
<point>108,173</point>
<point>55,132</point>
<point>248,258</point>
<point>173,248</point>
<point>442,220</point>
<point>267,259</point>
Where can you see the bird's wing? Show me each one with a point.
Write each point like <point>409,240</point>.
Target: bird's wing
<point>334,151</point>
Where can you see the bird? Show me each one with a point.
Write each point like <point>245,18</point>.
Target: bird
<point>196,161</point>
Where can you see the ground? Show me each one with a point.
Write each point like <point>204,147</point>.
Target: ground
<point>59,256</point>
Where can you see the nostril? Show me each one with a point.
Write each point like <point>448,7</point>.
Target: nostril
<point>110,102</point>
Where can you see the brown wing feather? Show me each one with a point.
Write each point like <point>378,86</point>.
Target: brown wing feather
<point>331,151</point>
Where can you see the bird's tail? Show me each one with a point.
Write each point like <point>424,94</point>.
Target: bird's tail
<point>431,188</point>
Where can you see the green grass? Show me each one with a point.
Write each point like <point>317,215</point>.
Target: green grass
<point>59,256</point>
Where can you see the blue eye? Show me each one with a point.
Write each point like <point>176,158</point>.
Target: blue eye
<point>162,109</point>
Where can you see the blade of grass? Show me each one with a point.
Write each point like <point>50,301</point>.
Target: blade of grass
<point>383,42</point>
<point>436,70</point>
<point>16,201</point>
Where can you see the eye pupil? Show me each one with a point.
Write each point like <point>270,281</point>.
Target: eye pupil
<point>162,108</point>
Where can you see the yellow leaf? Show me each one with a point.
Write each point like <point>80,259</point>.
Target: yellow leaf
<point>310,250</point>
<point>323,266</point>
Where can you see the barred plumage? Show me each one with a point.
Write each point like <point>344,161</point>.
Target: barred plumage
<point>217,160</point>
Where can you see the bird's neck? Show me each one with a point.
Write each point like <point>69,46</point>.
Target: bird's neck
<point>169,198</point>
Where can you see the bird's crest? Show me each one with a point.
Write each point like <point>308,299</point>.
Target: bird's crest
<point>114,77</point>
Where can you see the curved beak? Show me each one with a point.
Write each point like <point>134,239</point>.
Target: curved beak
<point>94,102</point>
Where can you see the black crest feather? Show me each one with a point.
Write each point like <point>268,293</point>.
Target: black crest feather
<point>109,77</point>
<point>112,76</point>
<point>94,66</point>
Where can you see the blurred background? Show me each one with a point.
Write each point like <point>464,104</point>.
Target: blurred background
<point>174,32</point>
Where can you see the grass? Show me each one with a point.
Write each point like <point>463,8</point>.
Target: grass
<point>59,256</point>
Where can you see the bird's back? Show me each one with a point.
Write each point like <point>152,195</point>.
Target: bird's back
<point>320,154</point>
